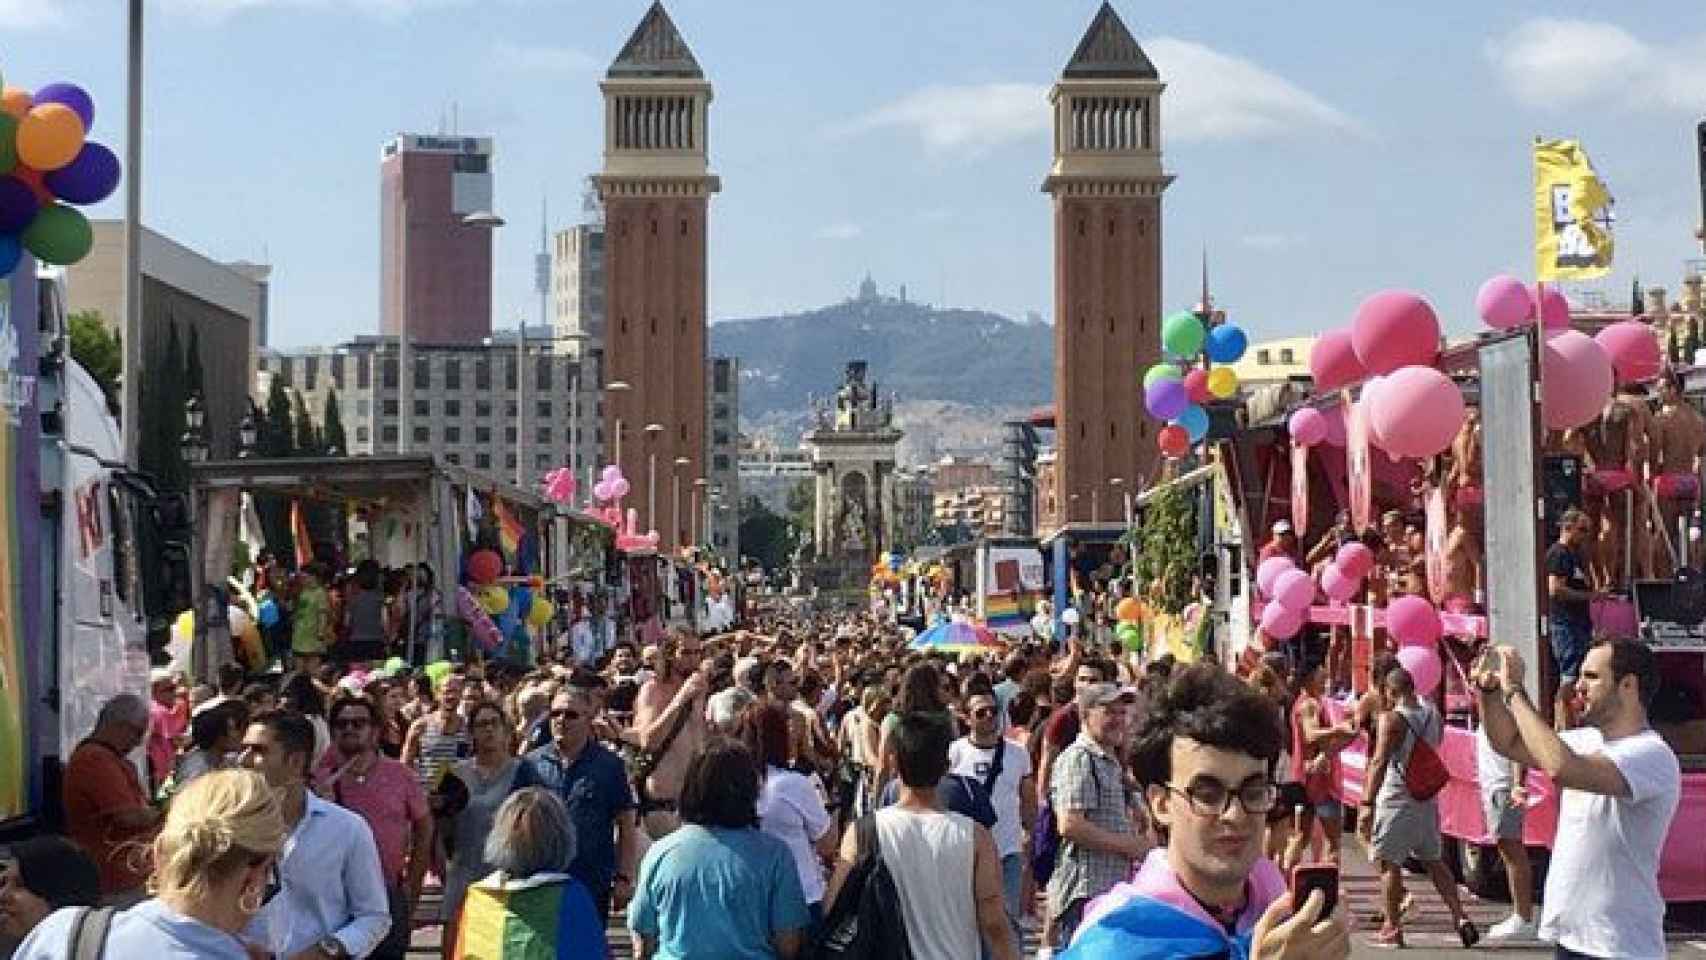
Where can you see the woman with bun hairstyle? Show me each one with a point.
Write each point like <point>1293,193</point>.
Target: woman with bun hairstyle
<point>213,866</point>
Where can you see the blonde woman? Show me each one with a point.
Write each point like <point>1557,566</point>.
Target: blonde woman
<point>213,865</point>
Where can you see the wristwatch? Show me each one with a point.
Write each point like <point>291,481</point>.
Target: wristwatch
<point>333,947</point>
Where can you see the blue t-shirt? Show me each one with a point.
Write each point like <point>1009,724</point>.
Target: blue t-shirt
<point>595,789</point>
<point>149,929</point>
<point>715,892</point>
<point>955,793</point>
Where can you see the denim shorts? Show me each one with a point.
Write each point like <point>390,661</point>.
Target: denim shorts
<point>1570,642</point>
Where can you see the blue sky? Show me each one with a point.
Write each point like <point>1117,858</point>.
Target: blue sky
<point>1323,150</point>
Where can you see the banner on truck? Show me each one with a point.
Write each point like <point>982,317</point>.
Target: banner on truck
<point>1013,583</point>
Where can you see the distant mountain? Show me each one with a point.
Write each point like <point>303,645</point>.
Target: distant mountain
<point>969,365</point>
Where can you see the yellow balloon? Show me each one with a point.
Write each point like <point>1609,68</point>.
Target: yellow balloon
<point>1222,382</point>
<point>49,136</point>
<point>494,599</point>
<point>541,612</point>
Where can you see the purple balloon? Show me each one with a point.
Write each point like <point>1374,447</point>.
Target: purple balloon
<point>17,205</point>
<point>90,178</point>
<point>72,96</point>
<point>1166,399</point>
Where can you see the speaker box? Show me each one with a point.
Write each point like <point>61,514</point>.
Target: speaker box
<point>1560,489</point>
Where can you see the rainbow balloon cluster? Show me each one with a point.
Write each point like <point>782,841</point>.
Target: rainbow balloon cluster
<point>1176,389</point>
<point>48,163</point>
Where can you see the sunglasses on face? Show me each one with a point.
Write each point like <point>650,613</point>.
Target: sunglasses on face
<point>568,716</point>
<point>983,712</point>
<point>352,723</point>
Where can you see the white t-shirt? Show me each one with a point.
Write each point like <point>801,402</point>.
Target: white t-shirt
<point>972,761</point>
<point>790,810</point>
<point>1602,891</point>
<point>1493,769</point>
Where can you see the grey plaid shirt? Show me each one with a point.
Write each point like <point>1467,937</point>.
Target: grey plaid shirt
<point>1089,779</point>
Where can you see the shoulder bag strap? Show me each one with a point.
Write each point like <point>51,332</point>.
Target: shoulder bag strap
<point>674,731</point>
<point>869,845</point>
<point>994,772</point>
<point>89,933</point>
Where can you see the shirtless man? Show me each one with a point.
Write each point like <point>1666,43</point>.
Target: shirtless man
<point>1616,446</point>
<point>671,702</point>
<point>1679,440</point>
<point>1463,481</point>
<point>1464,563</point>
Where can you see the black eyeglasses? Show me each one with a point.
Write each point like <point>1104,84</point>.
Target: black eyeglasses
<point>1209,797</point>
<point>567,715</point>
<point>983,712</point>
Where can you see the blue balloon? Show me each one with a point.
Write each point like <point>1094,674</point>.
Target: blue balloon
<point>10,252</point>
<point>1195,421</point>
<point>1226,343</point>
<point>267,611</point>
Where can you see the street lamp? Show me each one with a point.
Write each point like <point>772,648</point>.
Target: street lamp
<point>652,432</point>
<point>675,500</point>
<point>699,485</point>
<point>618,387</point>
<point>247,431</point>
<point>193,444</point>
<point>1117,483</point>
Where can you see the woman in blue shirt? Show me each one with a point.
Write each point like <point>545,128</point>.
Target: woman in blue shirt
<point>718,887</point>
<point>213,861</point>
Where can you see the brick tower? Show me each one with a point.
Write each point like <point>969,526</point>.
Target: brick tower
<point>1106,182</point>
<point>656,187</point>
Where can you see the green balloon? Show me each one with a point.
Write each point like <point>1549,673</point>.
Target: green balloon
<point>1182,334</point>
<point>59,235</point>
<point>8,143</point>
<point>1161,371</point>
<point>1130,636</point>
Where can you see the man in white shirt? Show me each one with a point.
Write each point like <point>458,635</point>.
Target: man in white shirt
<point>1620,783</point>
<point>1004,769</point>
<point>331,903</point>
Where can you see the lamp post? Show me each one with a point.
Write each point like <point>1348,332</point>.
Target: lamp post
<point>618,387</point>
<point>1118,483</point>
<point>675,500</point>
<point>652,432</point>
<point>699,485</point>
<point>131,361</point>
<point>247,431</point>
<point>193,444</point>
<point>1095,511</point>
<point>520,401</point>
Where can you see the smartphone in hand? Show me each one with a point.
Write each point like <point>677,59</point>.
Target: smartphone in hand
<point>1308,877</point>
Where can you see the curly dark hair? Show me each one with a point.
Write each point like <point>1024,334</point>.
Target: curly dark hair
<point>721,786</point>
<point>1206,704</point>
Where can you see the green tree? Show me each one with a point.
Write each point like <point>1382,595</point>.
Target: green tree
<point>802,510</point>
<point>277,435</point>
<point>192,366</point>
<point>1691,343</point>
<point>332,426</point>
<point>307,438</point>
<point>1166,548</point>
<point>162,426</point>
<point>97,350</point>
<point>765,535</point>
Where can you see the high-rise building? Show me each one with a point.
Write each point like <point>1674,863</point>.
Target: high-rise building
<point>1106,182</point>
<point>435,254</point>
<point>577,284</point>
<point>655,187</point>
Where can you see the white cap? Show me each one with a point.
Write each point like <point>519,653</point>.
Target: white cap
<point>1282,526</point>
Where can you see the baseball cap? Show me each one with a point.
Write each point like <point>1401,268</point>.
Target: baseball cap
<point>160,675</point>
<point>1282,526</point>
<point>1101,694</point>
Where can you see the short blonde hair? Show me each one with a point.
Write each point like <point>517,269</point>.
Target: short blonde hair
<point>223,821</point>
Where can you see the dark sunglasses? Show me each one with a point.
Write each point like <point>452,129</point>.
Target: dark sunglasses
<point>983,712</point>
<point>566,715</point>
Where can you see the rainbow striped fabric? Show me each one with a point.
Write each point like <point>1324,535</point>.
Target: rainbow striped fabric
<point>548,916</point>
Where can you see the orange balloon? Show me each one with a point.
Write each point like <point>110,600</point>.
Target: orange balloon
<point>1128,610</point>
<point>16,101</point>
<point>49,136</point>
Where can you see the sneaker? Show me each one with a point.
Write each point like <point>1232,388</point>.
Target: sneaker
<point>1512,927</point>
<point>1467,933</point>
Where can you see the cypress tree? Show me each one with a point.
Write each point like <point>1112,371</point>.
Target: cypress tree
<point>332,426</point>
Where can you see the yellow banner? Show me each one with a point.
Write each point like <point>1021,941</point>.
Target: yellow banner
<point>1572,214</point>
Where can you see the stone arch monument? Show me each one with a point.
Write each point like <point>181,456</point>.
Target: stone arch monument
<point>852,445</point>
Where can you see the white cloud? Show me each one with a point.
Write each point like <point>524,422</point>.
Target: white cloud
<point>1217,96</point>
<point>1562,63</point>
<point>840,231</point>
<point>221,9</point>
<point>1272,242</point>
<point>30,14</point>
<point>535,58</point>
<point>1210,96</point>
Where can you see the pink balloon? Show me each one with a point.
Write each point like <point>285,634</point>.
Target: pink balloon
<point>1307,426</point>
<point>1577,379</point>
<point>611,472</point>
<point>1366,402</point>
<point>601,490</point>
<point>1294,590</point>
<point>1281,623</point>
<point>1424,666</point>
<point>1634,350</point>
<point>1417,412</point>
<point>1270,571</point>
<point>619,488</point>
<point>1338,585</point>
<point>1334,417</point>
<point>1196,386</point>
<point>1504,303</point>
<point>1395,328</point>
<point>1333,361</point>
<point>1355,560</point>
<point>1413,622</point>
<point>1553,308</point>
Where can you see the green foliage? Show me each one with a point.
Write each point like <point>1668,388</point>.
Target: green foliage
<point>307,438</point>
<point>1166,548</point>
<point>766,535</point>
<point>332,430</point>
<point>277,435</point>
<point>97,350</point>
<point>1691,343</point>
<point>192,365</point>
<point>164,392</point>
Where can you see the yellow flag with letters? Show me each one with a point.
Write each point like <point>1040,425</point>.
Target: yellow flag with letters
<point>1572,214</point>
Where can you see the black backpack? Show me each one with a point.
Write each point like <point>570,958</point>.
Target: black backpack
<point>864,922</point>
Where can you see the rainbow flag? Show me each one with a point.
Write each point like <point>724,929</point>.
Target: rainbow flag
<point>510,530</point>
<point>1152,917</point>
<point>299,533</point>
<point>544,917</point>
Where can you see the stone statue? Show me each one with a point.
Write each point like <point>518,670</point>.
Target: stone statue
<point>853,524</point>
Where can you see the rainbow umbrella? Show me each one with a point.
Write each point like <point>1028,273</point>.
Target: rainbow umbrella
<point>955,637</point>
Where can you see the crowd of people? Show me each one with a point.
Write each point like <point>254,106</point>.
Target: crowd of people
<point>770,791</point>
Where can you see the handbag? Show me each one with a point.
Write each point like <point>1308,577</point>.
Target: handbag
<point>1425,774</point>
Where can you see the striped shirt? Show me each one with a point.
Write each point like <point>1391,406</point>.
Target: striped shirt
<point>1087,779</point>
